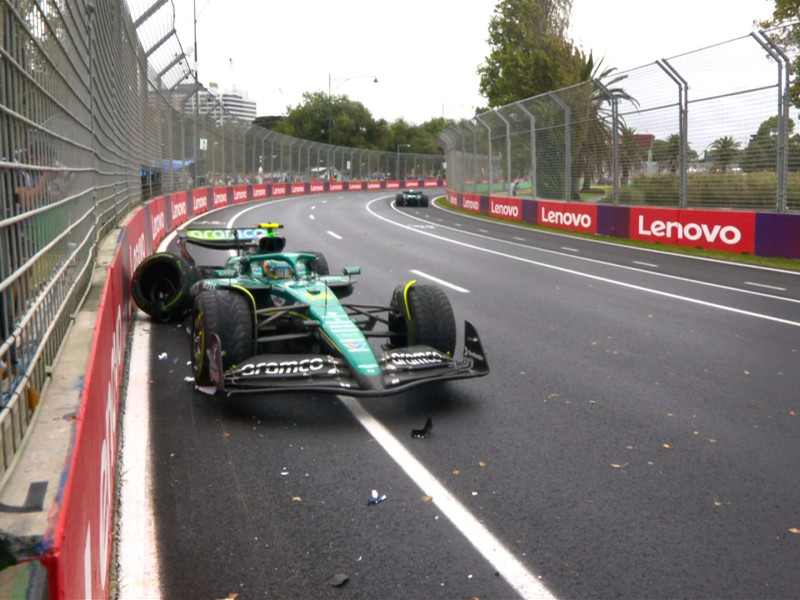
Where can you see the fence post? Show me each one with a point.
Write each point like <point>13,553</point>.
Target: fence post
<point>683,120</point>
<point>567,145</point>
<point>489,138</point>
<point>614,139</point>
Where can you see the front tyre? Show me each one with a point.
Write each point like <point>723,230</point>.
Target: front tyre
<point>228,314</point>
<point>421,314</point>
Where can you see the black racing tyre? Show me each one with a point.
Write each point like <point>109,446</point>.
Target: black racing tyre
<point>398,198</point>
<point>424,200</point>
<point>320,264</point>
<point>422,314</point>
<point>228,314</point>
<point>160,286</point>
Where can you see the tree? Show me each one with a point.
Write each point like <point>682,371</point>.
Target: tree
<point>352,124</point>
<point>724,152</point>
<point>595,150</point>
<point>786,17</point>
<point>530,53</point>
<point>631,155</point>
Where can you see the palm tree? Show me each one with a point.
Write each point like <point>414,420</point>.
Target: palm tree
<point>724,151</point>
<point>630,154</point>
<point>594,156</point>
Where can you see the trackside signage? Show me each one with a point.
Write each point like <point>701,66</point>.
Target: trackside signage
<point>452,198</point>
<point>158,221</point>
<point>567,215</point>
<point>278,189</point>
<point>316,187</point>
<point>260,192</point>
<point>354,186</point>
<point>506,208</point>
<point>298,188</point>
<point>85,523</point>
<point>373,185</point>
<point>199,201</point>
<point>392,185</point>
<point>239,194</point>
<point>711,230</point>
<point>336,186</point>
<point>429,183</point>
<point>471,202</point>
<point>179,209</point>
<point>220,197</point>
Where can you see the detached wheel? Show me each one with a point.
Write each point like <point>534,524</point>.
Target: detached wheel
<point>227,314</point>
<point>422,314</point>
<point>160,286</point>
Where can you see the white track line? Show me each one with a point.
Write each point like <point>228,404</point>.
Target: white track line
<point>452,286</point>
<point>504,562</point>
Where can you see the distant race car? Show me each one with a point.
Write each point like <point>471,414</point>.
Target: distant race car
<point>411,196</point>
<point>273,321</point>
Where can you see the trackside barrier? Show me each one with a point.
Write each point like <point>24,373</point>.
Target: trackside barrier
<point>773,235</point>
<point>70,555</point>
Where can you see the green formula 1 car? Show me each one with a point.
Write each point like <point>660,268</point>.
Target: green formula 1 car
<point>274,321</point>
<point>411,196</point>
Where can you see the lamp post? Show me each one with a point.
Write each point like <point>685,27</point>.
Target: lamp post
<point>330,98</point>
<point>397,164</point>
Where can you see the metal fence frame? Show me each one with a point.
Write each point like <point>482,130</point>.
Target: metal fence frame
<point>548,146</point>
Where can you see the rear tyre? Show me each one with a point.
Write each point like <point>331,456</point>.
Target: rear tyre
<point>320,263</point>
<point>422,315</point>
<point>227,314</point>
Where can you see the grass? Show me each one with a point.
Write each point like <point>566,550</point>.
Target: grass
<point>786,264</point>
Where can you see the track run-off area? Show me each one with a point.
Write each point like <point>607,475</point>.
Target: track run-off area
<point>638,435</point>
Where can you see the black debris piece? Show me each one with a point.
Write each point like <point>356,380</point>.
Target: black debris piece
<point>421,433</point>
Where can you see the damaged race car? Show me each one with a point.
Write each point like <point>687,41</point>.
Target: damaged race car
<point>274,321</point>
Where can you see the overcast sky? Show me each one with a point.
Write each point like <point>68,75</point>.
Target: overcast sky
<point>424,53</point>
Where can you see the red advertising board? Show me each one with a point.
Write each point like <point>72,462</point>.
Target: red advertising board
<point>279,189</point>
<point>336,186</point>
<point>298,188</point>
<point>708,229</point>
<point>158,221</point>
<point>471,202</point>
<point>392,185</point>
<point>429,183</point>
<point>179,210</point>
<point>567,215</point>
<point>260,192</point>
<point>316,187</point>
<point>412,183</point>
<point>452,197</point>
<point>505,208</point>
<point>80,565</point>
<point>239,194</point>
<point>220,197</point>
<point>373,185</point>
<point>199,201</point>
<point>354,186</point>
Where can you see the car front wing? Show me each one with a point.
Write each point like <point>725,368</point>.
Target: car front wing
<point>399,369</point>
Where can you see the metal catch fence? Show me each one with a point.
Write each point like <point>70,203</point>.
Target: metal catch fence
<point>709,128</point>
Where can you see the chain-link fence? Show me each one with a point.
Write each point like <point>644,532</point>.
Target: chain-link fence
<point>709,128</point>
<point>100,111</point>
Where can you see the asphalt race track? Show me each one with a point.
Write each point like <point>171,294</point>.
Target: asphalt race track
<point>638,436</point>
